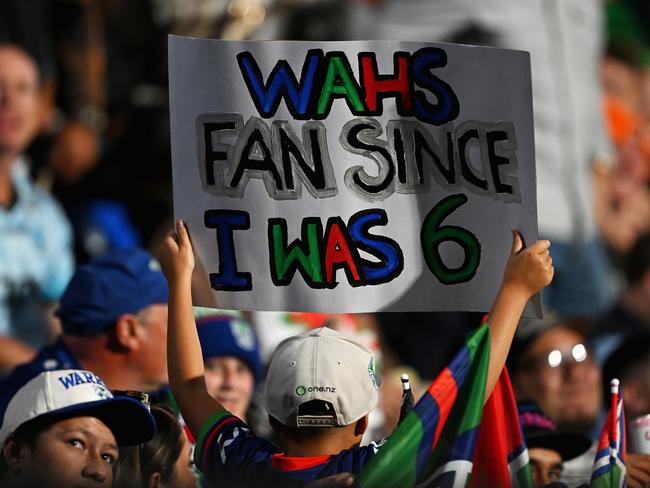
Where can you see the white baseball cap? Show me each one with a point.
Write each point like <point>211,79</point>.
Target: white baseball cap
<point>69,393</point>
<point>326,365</point>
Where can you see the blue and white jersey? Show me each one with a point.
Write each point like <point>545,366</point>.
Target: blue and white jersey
<point>229,455</point>
<point>36,260</point>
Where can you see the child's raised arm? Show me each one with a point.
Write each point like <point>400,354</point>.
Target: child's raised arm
<point>184,358</point>
<point>528,270</point>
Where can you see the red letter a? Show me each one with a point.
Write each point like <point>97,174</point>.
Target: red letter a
<point>337,252</point>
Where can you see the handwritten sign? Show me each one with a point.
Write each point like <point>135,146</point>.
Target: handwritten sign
<point>352,176</point>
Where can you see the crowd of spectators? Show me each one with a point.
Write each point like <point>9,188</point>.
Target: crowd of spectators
<point>85,188</point>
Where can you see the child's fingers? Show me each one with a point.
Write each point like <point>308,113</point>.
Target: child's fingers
<point>517,242</point>
<point>170,240</point>
<point>540,247</point>
<point>181,231</point>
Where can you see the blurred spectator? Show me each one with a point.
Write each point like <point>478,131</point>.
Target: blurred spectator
<point>113,78</point>
<point>63,429</point>
<point>630,315</point>
<point>165,461</point>
<point>232,361</point>
<point>623,198</point>
<point>67,39</point>
<point>552,365</point>
<point>628,27</point>
<point>36,240</point>
<point>547,448</point>
<point>630,363</point>
<point>114,319</point>
<point>570,137</point>
<point>106,135</point>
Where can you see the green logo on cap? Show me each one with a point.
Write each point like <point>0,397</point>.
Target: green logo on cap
<point>301,390</point>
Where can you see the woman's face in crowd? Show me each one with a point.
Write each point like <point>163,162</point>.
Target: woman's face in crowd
<point>73,453</point>
<point>230,381</point>
<point>184,476</point>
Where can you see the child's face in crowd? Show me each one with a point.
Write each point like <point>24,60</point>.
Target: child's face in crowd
<point>74,453</point>
<point>230,381</point>
<point>562,378</point>
<point>19,100</point>
<point>546,466</point>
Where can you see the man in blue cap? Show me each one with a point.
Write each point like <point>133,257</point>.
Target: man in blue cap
<point>114,319</point>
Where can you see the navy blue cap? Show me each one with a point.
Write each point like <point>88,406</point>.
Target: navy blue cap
<point>120,282</point>
<point>224,335</point>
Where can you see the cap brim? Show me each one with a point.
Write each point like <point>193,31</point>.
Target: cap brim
<point>129,420</point>
<point>568,445</point>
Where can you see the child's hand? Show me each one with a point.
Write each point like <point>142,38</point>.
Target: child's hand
<point>175,254</point>
<point>528,270</point>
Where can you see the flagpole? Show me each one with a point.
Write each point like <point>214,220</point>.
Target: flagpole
<point>614,384</point>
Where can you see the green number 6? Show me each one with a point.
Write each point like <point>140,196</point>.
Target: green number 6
<point>433,234</point>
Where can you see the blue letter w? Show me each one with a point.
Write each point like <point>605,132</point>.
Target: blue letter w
<point>67,381</point>
<point>282,83</point>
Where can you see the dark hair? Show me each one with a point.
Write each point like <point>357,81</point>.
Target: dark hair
<point>137,463</point>
<point>26,434</point>
<point>627,361</point>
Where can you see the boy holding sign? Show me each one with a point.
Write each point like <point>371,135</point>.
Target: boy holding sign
<point>317,379</point>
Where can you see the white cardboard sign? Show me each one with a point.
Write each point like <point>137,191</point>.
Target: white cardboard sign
<point>352,176</point>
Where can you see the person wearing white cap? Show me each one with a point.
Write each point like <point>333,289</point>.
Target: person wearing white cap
<point>321,384</point>
<point>63,429</point>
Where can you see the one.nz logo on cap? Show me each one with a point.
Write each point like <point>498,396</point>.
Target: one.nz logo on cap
<point>301,390</point>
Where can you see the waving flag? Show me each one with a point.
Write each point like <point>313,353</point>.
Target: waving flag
<point>609,467</point>
<point>501,456</point>
<point>435,444</point>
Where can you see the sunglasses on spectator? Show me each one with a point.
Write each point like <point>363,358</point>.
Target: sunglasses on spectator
<point>558,358</point>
